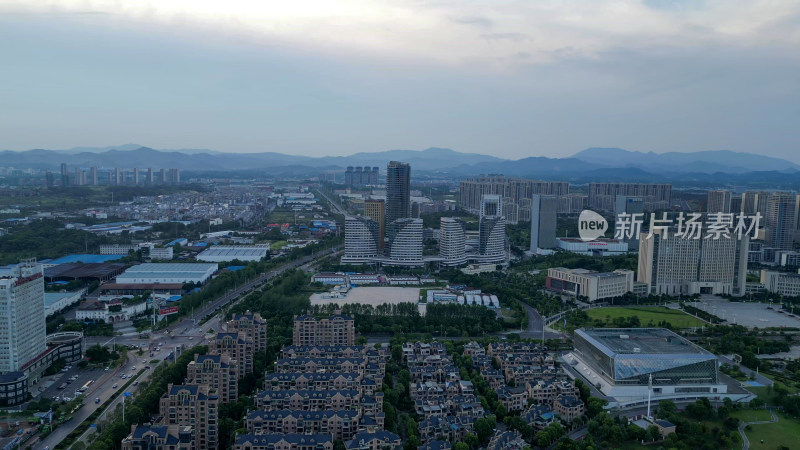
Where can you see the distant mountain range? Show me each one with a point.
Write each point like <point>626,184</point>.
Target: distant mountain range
<point>611,164</point>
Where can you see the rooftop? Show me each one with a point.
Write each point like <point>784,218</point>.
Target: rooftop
<point>639,341</point>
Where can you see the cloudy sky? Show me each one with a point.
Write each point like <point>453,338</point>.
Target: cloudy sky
<point>508,78</point>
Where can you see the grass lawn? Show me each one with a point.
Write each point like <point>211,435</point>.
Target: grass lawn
<point>677,319</point>
<point>785,432</point>
<point>752,415</point>
<point>277,245</point>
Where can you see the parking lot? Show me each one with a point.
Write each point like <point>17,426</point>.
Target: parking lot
<point>748,314</point>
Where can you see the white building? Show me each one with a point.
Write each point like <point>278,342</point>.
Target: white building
<point>674,265</point>
<point>109,312</point>
<point>224,253</point>
<point>405,242</point>
<point>719,202</point>
<point>452,241</point>
<point>590,284</point>
<point>168,273</point>
<point>786,284</point>
<point>492,239</point>
<point>153,252</point>
<point>56,301</point>
<point>361,236</point>
<point>22,317</point>
<point>597,247</point>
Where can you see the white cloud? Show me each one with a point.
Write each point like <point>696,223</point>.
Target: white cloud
<point>455,32</point>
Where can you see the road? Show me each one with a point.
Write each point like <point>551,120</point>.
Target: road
<point>535,325</point>
<point>182,334</point>
<point>335,205</point>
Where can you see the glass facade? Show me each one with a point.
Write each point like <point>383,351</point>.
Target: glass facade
<point>634,365</point>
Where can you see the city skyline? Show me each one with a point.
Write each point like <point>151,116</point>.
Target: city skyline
<point>245,79</point>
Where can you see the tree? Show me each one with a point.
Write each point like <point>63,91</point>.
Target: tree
<point>652,433</point>
<point>666,408</point>
<point>484,428</point>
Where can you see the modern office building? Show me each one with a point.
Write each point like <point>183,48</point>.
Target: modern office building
<point>676,265</point>
<point>398,191</point>
<point>543,222</point>
<point>781,221</point>
<point>784,283</point>
<point>626,204</point>
<point>623,363</point>
<point>491,206</point>
<point>591,285</point>
<point>361,240</point>
<point>718,202</point>
<point>375,209</point>
<point>338,329</point>
<point>597,247</point>
<point>492,239</point>
<point>603,196</point>
<point>22,326</point>
<point>452,241</point>
<point>405,242</point>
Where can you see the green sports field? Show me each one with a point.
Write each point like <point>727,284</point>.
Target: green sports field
<point>656,314</point>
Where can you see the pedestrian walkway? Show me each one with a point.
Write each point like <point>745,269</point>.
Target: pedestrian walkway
<point>742,425</point>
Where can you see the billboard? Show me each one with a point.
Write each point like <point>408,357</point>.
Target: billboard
<point>169,310</point>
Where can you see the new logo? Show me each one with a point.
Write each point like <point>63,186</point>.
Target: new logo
<point>591,225</point>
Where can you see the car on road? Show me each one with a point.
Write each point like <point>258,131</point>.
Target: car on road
<point>97,400</point>
<point>114,386</point>
<point>123,376</point>
<point>107,368</point>
<point>133,368</point>
<point>144,361</point>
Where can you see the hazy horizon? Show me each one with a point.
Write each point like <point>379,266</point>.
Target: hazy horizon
<point>510,79</point>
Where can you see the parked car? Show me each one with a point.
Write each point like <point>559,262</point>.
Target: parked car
<point>97,400</point>
<point>114,386</point>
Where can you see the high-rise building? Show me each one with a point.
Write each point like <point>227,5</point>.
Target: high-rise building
<point>674,265</point>
<point>253,326</point>
<point>519,190</point>
<point>119,176</point>
<point>452,241</point>
<point>491,205</point>
<point>360,176</point>
<point>361,235</point>
<point>398,191</point>
<point>64,175</point>
<point>50,179</point>
<point>602,196</point>
<point>338,329</point>
<point>175,176</point>
<point>781,218</point>
<point>405,241</point>
<point>93,176</point>
<point>196,405</point>
<point>376,210</point>
<point>22,326</point>
<point>492,239</point>
<point>149,176</point>
<point>543,222</point>
<point>162,176</point>
<point>136,176</point>
<point>719,202</point>
<point>736,204</point>
<point>219,372</point>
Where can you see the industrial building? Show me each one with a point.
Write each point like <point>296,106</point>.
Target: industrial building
<point>150,273</point>
<point>224,253</point>
<point>623,362</point>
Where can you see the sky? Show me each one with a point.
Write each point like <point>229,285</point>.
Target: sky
<point>507,78</point>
